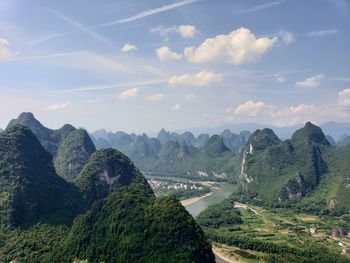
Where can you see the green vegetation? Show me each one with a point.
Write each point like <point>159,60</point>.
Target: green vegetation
<point>30,190</point>
<point>221,215</point>
<point>273,235</point>
<point>277,173</point>
<point>135,227</point>
<point>107,170</point>
<point>49,139</point>
<point>126,221</point>
<point>69,147</point>
<point>73,153</point>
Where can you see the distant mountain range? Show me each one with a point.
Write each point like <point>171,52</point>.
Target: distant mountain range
<point>334,129</point>
<point>173,154</point>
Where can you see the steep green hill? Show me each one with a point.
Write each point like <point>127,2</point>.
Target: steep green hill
<point>107,170</point>
<point>70,148</point>
<point>134,226</point>
<point>272,170</point>
<point>73,153</point>
<point>30,190</point>
<point>50,139</point>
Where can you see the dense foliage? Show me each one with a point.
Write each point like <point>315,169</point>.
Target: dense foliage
<point>73,153</point>
<point>133,226</point>
<point>49,139</point>
<point>278,172</point>
<point>30,190</point>
<point>220,215</point>
<point>108,169</point>
<point>37,209</point>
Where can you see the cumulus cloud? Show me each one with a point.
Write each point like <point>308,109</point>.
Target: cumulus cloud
<point>5,52</point>
<point>185,31</point>
<point>128,48</point>
<point>322,33</point>
<point>155,97</point>
<point>127,94</point>
<point>166,54</point>
<point>344,98</point>
<point>200,79</point>
<point>312,82</point>
<point>287,37</point>
<point>61,106</point>
<point>281,116</point>
<point>176,107</point>
<point>238,47</point>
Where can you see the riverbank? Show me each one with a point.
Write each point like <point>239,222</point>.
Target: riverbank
<point>193,200</point>
<point>222,256</point>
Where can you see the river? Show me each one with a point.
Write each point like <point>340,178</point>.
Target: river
<point>218,195</point>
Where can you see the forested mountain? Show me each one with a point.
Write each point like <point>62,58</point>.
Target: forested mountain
<point>31,192</point>
<point>274,170</point>
<point>120,218</point>
<point>73,152</point>
<point>70,148</point>
<point>132,225</point>
<point>305,170</point>
<point>50,139</point>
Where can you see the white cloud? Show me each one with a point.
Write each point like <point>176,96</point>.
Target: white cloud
<point>344,98</point>
<point>165,54</point>
<point>55,107</point>
<point>265,113</point>
<point>312,82</point>
<point>187,31</point>
<point>128,48</point>
<point>5,53</point>
<point>250,108</point>
<point>238,47</point>
<point>202,78</point>
<point>127,94</point>
<point>155,97</point>
<point>258,7</point>
<point>287,37</point>
<point>176,107</point>
<point>322,33</point>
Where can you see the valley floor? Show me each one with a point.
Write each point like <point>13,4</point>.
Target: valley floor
<point>281,226</point>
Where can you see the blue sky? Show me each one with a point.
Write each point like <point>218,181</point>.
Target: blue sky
<point>143,65</point>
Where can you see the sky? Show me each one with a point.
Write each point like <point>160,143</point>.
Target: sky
<point>141,66</point>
